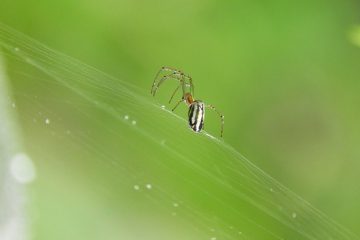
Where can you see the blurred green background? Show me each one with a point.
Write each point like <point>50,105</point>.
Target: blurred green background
<point>285,75</point>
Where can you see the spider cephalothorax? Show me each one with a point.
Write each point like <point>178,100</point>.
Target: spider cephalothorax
<point>196,113</point>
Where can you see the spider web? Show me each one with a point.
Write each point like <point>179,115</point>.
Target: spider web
<point>101,141</point>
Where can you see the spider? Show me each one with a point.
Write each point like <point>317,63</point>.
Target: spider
<point>196,113</point>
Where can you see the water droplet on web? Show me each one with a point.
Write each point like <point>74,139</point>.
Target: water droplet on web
<point>126,117</point>
<point>13,105</point>
<point>294,215</point>
<point>213,238</point>
<point>137,187</point>
<point>16,49</point>
<point>22,168</point>
<point>148,186</point>
<point>47,121</point>
<point>239,233</point>
<point>175,204</point>
<point>271,190</point>
<point>133,122</point>
<point>163,106</point>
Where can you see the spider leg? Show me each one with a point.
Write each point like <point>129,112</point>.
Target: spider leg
<point>190,84</point>
<point>221,117</point>
<point>155,88</point>
<point>163,69</point>
<point>176,74</point>
<point>177,104</point>
<point>156,77</point>
<point>172,96</point>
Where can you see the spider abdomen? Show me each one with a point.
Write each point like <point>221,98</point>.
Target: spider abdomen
<point>196,115</point>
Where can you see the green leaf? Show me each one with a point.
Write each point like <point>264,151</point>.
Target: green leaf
<point>115,162</point>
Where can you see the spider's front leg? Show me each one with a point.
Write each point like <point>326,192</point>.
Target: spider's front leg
<point>172,73</point>
<point>163,69</point>
<point>169,76</point>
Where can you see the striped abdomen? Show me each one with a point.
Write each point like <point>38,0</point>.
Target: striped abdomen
<point>196,115</point>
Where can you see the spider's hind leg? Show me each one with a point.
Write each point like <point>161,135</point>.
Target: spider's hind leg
<point>221,117</point>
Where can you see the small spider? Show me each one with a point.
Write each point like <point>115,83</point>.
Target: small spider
<point>196,113</point>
